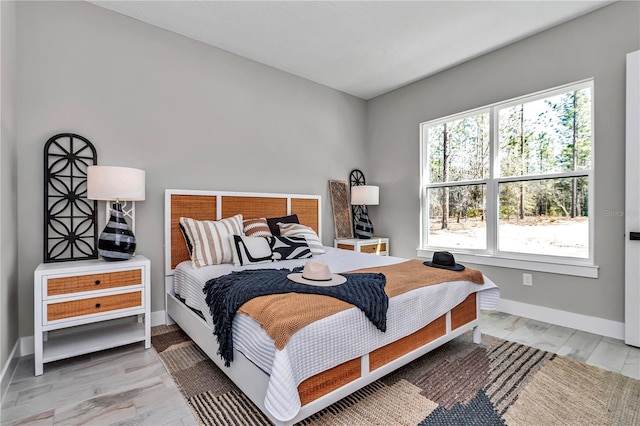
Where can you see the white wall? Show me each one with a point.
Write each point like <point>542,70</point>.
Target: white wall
<point>191,115</point>
<point>595,46</point>
<point>8,186</point>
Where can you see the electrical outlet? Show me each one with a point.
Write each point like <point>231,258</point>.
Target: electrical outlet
<point>527,279</point>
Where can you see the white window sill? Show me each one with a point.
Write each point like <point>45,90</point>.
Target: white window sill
<point>576,268</point>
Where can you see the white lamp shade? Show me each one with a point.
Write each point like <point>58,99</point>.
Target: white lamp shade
<point>365,195</point>
<point>115,183</point>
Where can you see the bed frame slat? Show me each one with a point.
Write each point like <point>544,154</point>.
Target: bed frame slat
<point>253,207</point>
<point>307,211</point>
<point>426,334</point>
<point>199,208</point>
<point>464,312</point>
<point>321,384</point>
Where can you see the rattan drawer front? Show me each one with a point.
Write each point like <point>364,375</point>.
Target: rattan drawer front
<point>79,283</point>
<point>345,247</point>
<point>93,305</point>
<point>373,248</point>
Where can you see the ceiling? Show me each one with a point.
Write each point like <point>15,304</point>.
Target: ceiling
<point>364,48</point>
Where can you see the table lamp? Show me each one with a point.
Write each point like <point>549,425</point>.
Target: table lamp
<point>112,183</point>
<point>364,195</point>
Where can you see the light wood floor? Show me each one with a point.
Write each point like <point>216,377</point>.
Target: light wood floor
<point>129,385</point>
<point>604,352</point>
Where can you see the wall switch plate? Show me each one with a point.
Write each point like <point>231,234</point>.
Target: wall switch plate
<point>527,279</point>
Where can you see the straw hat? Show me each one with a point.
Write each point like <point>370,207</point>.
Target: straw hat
<point>316,272</point>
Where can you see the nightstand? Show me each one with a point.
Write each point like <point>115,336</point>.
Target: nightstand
<point>373,245</point>
<point>82,306</point>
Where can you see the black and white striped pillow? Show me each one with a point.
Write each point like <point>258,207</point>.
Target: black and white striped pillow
<point>285,248</point>
<point>297,230</point>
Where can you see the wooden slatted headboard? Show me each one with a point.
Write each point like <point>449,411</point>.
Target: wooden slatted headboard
<point>216,205</point>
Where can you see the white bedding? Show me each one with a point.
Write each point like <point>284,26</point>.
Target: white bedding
<point>306,353</point>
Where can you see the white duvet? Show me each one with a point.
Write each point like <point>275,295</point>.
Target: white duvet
<point>327,342</point>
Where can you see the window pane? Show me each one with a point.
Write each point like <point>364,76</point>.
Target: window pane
<point>549,135</point>
<point>548,217</point>
<point>464,225</point>
<point>459,150</point>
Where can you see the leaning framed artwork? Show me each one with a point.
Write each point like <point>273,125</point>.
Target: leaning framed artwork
<point>342,219</point>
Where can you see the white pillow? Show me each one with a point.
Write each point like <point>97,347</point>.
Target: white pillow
<point>210,239</point>
<point>297,230</point>
<point>249,250</point>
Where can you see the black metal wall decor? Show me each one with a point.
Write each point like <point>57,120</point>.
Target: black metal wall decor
<point>362,227</point>
<point>70,231</point>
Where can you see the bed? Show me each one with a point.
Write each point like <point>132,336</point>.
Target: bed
<point>305,376</point>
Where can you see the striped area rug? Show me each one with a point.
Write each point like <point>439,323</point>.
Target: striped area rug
<point>494,383</point>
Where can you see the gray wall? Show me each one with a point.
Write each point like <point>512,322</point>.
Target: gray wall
<point>595,46</point>
<point>197,117</point>
<point>191,115</point>
<point>8,186</point>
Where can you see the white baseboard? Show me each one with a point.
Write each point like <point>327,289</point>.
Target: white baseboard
<point>27,346</point>
<point>8,370</point>
<point>157,318</point>
<point>603,327</point>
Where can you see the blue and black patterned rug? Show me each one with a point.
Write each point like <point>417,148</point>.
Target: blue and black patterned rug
<point>494,383</point>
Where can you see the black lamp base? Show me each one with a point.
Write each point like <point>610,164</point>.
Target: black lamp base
<point>364,227</point>
<point>117,241</point>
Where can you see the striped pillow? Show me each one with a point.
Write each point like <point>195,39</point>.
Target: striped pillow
<point>256,227</point>
<point>210,239</point>
<point>297,230</point>
<point>273,222</point>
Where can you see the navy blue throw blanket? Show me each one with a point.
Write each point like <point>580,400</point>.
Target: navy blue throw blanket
<point>227,293</point>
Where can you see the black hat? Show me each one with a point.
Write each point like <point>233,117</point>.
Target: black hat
<point>444,260</point>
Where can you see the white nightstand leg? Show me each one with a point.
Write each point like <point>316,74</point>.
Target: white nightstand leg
<point>37,341</point>
<point>147,331</point>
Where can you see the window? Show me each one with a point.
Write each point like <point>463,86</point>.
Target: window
<point>512,179</point>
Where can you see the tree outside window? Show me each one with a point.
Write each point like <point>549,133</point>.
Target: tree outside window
<point>513,177</point>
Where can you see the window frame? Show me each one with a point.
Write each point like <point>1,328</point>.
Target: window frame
<point>492,255</point>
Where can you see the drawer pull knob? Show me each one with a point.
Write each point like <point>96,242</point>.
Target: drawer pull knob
<point>97,282</point>
<point>97,305</point>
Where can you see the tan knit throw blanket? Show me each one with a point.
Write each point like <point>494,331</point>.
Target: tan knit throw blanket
<point>281,315</point>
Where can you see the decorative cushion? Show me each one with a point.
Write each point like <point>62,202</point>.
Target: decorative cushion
<point>256,227</point>
<point>186,239</point>
<point>210,239</point>
<point>273,222</point>
<point>297,230</point>
<point>248,250</point>
<point>285,248</point>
